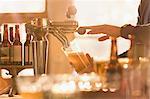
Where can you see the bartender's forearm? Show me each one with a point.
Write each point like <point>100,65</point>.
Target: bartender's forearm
<point>141,32</point>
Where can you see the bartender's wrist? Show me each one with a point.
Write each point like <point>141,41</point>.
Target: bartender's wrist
<point>126,30</point>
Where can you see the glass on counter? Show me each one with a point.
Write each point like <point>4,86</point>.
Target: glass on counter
<point>135,77</point>
<point>81,61</point>
<point>30,87</point>
<point>100,67</point>
<point>139,78</point>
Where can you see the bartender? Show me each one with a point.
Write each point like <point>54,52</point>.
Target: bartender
<point>141,31</point>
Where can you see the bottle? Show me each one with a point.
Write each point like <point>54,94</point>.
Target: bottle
<point>5,50</point>
<point>28,50</point>
<point>11,34</point>
<point>17,48</point>
<point>11,41</point>
<point>114,69</point>
<point>0,44</point>
<point>138,64</point>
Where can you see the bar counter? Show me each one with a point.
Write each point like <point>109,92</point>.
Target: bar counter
<point>5,96</point>
<point>88,95</point>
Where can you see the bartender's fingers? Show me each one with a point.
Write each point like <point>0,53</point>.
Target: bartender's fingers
<point>82,29</point>
<point>94,29</point>
<point>103,38</point>
<point>106,29</point>
<point>98,29</point>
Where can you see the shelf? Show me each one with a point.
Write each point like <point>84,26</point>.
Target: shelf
<point>15,66</point>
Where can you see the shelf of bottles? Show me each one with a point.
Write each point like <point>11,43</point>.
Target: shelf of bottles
<point>14,54</point>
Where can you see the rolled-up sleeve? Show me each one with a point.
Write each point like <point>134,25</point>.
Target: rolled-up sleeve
<point>144,12</point>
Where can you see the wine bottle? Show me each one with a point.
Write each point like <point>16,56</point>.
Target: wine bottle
<point>114,70</point>
<point>0,44</point>
<point>28,50</point>
<point>17,48</point>
<point>5,49</point>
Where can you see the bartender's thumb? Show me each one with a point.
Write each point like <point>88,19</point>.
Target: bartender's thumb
<point>103,38</point>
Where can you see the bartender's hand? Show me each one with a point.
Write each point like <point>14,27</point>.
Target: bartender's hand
<point>110,30</point>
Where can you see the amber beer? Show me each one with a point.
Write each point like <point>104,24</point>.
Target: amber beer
<point>79,61</point>
<point>100,67</point>
<point>5,49</point>
<point>17,48</point>
<point>28,50</point>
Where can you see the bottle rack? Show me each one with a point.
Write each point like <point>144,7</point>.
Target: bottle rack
<point>9,30</point>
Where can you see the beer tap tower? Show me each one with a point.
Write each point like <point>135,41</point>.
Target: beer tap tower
<point>39,28</point>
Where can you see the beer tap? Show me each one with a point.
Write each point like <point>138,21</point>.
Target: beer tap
<point>59,29</point>
<point>39,28</point>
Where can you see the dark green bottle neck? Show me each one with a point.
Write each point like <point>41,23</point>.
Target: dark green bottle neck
<point>17,35</point>
<point>114,51</point>
<point>5,35</point>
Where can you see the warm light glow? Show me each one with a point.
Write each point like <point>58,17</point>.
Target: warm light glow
<point>105,89</point>
<point>125,66</point>
<point>22,6</point>
<point>98,85</point>
<point>89,82</point>
<point>64,87</point>
<point>112,89</point>
<point>85,86</point>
